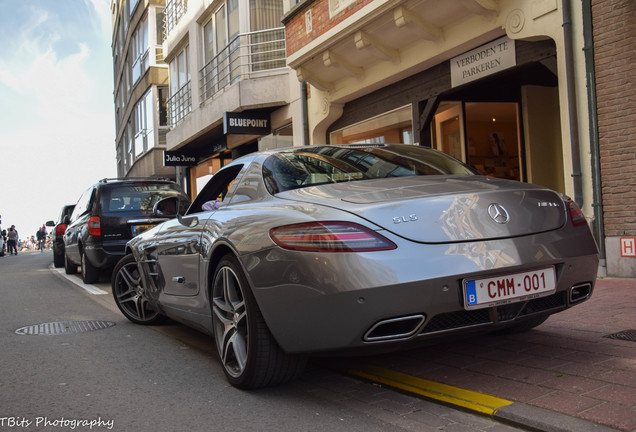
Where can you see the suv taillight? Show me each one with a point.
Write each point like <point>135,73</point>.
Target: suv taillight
<point>94,226</point>
<point>60,229</point>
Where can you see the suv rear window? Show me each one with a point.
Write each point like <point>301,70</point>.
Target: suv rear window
<point>135,197</point>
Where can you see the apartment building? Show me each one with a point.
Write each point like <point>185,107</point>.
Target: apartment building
<point>231,92</point>
<point>140,88</point>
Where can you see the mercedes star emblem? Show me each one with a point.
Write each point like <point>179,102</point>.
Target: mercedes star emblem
<point>498,213</point>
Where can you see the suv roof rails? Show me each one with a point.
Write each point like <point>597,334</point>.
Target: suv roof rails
<point>106,180</point>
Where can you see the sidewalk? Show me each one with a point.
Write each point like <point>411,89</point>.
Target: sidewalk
<point>565,375</point>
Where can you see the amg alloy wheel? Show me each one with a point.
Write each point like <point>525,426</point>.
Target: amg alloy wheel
<point>250,356</point>
<point>129,293</point>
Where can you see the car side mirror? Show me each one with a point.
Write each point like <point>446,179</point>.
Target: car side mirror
<point>167,207</point>
<point>50,223</point>
<point>67,220</point>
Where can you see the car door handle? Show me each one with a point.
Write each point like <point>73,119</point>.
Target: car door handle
<point>178,279</point>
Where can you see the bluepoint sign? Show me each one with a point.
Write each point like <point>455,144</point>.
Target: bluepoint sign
<point>246,123</point>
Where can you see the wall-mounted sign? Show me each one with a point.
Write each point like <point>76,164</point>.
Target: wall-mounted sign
<point>628,246</point>
<point>246,123</point>
<point>178,158</point>
<point>483,61</point>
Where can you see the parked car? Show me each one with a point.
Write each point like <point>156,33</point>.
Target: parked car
<point>334,249</point>
<point>57,234</point>
<point>107,215</point>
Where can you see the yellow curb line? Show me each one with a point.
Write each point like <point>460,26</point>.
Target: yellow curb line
<point>480,402</point>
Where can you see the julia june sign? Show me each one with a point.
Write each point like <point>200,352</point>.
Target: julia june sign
<point>177,158</point>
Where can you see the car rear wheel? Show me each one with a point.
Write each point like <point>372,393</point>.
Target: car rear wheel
<point>58,259</point>
<point>130,294</point>
<point>69,267</point>
<point>250,356</point>
<point>90,273</point>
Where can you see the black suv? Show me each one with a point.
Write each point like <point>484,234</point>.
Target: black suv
<point>107,215</point>
<point>57,234</point>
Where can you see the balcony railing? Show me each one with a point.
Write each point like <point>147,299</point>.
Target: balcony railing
<point>173,12</point>
<point>180,104</point>
<point>246,54</point>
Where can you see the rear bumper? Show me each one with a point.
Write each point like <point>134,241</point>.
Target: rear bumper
<point>105,256</point>
<point>338,304</point>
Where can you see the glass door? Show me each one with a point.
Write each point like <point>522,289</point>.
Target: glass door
<point>449,130</point>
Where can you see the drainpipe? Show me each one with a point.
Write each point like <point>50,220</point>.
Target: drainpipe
<point>588,49</point>
<point>305,117</point>
<point>574,124</point>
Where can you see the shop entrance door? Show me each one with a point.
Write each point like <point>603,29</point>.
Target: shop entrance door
<point>449,130</point>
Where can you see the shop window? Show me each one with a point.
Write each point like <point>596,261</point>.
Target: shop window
<point>483,135</point>
<point>392,127</point>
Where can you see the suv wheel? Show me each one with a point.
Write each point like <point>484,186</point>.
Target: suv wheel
<point>69,267</point>
<point>90,273</point>
<point>58,259</point>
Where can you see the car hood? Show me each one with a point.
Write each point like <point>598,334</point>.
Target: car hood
<point>440,209</point>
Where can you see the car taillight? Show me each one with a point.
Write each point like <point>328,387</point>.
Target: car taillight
<point>60,229</point>
<point>94,226</point>
<point>576,214</point>
<point>329,237</point>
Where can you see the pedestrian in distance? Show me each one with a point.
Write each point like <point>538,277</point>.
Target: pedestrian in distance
<point>12,240</point>
<point>41,236</point>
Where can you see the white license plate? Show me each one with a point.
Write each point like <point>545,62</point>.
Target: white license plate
<point>493,291</point>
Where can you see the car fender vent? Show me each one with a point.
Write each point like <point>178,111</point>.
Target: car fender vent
<point>64,327</point>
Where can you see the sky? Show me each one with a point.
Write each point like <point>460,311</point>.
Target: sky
<point>57,127</point>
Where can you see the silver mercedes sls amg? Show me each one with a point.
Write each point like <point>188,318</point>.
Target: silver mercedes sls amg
<point>337,249</point>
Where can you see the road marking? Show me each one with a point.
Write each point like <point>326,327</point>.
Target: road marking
<point>91,289</point>
<point>480,402</point>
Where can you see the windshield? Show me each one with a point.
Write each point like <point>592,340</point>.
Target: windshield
<point>136,197</point>
<point>310,166</point>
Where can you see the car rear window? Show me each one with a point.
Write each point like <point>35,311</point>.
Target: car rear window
<point>136,197</point>
<point>305,167</point>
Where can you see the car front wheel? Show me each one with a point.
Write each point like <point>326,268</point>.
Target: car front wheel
<point>129,293</point>
<point>250,356</point>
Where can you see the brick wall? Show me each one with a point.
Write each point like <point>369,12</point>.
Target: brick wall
<point>614,23</point>
<point>295,31</point>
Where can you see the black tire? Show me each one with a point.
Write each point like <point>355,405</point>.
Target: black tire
<point>250,356</point>
<point>69,267</point>
<point>130,296</point>
<point>58,259</point>
<point>90,273</point>
<point>524,326</point>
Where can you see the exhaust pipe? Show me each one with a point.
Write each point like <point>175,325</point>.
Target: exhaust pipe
<point>394,328</point>
<point>580,292</point>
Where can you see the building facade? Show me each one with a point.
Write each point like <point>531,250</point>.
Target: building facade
<point>501,85</point>
<point>614,113</point>
<point>531,90</point>
<point>140,88</point>
<point>231,92</point>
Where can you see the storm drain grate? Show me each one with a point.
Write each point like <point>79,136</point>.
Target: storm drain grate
<point>64,327</point>
<point>626,335</point>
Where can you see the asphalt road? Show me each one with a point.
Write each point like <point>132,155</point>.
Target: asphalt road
<point>127,377</point>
